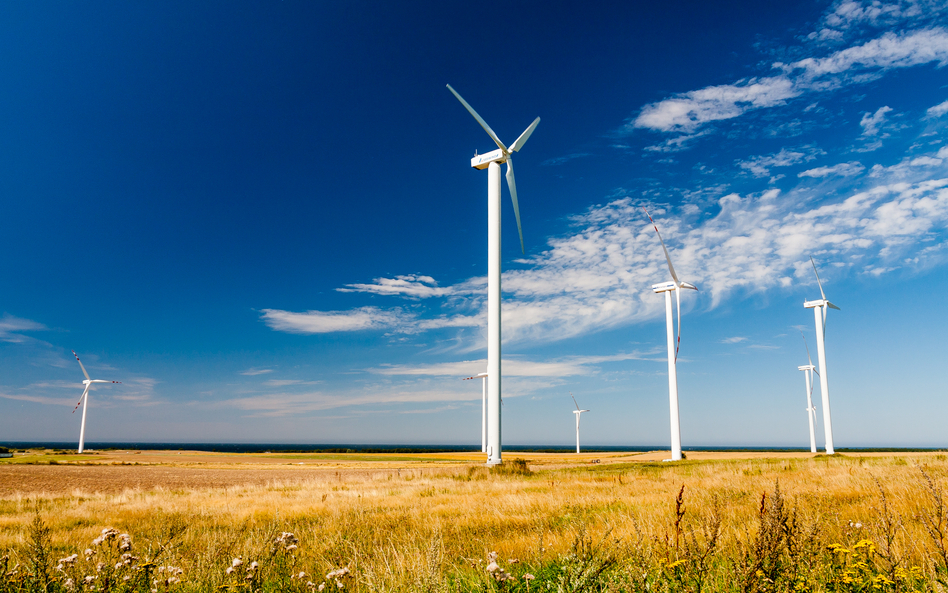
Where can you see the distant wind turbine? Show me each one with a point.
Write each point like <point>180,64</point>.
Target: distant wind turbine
<point>673,344</point>
<point>85,396</point>
<point>483,377</point>
<point>578,413</point>
<point>491,161</point>
<point>810,409</point>
<point>820,308</point>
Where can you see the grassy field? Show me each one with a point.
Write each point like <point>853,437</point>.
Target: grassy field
<point>441,522</point>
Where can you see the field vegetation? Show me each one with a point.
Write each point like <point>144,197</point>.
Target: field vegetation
<point>839,523</point>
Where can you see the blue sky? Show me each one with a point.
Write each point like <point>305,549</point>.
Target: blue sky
<point>262,219</point>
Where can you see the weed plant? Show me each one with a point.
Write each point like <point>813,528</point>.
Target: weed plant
<point>823,524</point>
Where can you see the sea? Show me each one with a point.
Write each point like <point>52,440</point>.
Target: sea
<point>400,448</point>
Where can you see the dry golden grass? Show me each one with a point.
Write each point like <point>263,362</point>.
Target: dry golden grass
<point>430,523</point>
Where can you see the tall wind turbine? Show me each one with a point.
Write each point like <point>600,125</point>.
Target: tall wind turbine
<point>578,413</point>
<point>810,409</point>
<point>820,308</point>
<point>491,161</point>
<point>673,344</point>
<point>483,377</point>
<point>85,396</point>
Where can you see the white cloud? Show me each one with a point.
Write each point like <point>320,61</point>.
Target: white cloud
<point>287,382</point>
<point>412,285</point>
<point>688,112</point>
<point>12,327</point>
<point>512,367</point>
<point>842,169</point>
<point>938,110</point>
<point>734,340</point>
<point>872,121</point>
<point>759,166</point>
<point>394,320</point>
<point>598,277</point>
<point>317,322</point>
<point>889,51</point>
<point>255,372</point>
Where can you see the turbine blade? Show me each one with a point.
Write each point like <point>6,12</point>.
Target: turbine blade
<point>574,401</point>
<point>82,397</point>
<point>809,360</point>
<point>513,196</point>
<point>519,142</point>
<point>80,365</point>
<point>480,120</point>
<point>671,268</point>
<point>678,343</point>
<point>823,294</point>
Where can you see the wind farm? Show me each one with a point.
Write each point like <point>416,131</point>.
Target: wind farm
<point>268,224</point>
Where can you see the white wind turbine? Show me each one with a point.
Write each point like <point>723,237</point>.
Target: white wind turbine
<point>578,413</point>
<point>491,161</point>
<point>810,409</point>
<point>673,344</point>
<point>483,377</point>
<point>85,396</point>
<point>820,308</point>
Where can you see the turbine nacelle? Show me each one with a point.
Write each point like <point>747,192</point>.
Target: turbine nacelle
<point>666,286</point>
<point>819,303</point>
<point>807,367</point>
<point>482,161</point>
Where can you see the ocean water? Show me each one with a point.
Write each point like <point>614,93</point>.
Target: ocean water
<point>383,448</point>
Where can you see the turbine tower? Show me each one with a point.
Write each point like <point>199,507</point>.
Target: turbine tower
<point>85,396</point>
<point>578,413</point>
<point>491,161</point>
<point>810,409</point>
<point>667,288</point>
<point>483,377</point>
<point>820,308</point>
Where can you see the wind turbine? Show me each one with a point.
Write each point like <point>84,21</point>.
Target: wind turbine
<point>578,413</point>
<point>491,161</point>
<point>483,377</point>
<point>85,396</point>
<point>673,344</point>
<point>820,308</point>
<point>810,409</point>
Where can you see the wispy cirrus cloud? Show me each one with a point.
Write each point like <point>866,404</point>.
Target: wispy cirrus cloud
<point>319,322</point>
<point>871,122</point>
<point>842,169</point>
<point>688,113</point>
<point>760,166</point>
<point>512,367</point>
<point>394,320</point>
<point>598,276</point>
<point>410,285</point>
<point>12,328</point>
<point>938,110</point>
